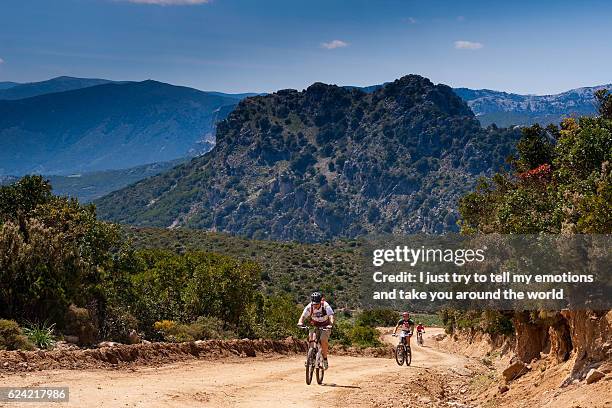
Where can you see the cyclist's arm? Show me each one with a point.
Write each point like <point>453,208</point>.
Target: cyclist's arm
<point>304,315</point>
<point>396,327</point>
<point>330,313</point>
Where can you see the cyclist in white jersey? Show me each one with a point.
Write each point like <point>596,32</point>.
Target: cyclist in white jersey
<point>320,314</point>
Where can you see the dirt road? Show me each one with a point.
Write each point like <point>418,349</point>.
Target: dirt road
<point>240,382</point>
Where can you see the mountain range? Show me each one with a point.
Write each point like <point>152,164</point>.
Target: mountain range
<point>7,85</point>
<point>13,90</point>
<point>108,126</point>
<point>326,162</point>
<point>103,134</point>
<point>506,109</point>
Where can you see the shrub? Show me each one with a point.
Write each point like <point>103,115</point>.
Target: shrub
<point>79,323</point>
<point>273,317</point>
<point>118,324</point>
<point>378,317</point>
<point>12,337</point>
<point>41,334</point>
<point>205,327</point>
<point>340,332</point>
<point>364,336</point>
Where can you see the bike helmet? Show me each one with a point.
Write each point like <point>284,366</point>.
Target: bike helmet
<point>316,297</point>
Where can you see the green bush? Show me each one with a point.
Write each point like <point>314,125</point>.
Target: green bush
<point>378,318</point>
<point>12,337</point>
<point>349,333</point>
<point>273,317</point>
<point>340,332</point>
<point>41,334</point>
<point>118,324</point>
<point>52,251</point>
<point>204,328</point>
<point>364,336</point>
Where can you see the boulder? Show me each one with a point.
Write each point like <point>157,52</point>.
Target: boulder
<point>108,344</point>
<point>594,376</point>
<point>515,370</point>
<point>439,337</point>
<point>503,389</point>
<point>134,338</point>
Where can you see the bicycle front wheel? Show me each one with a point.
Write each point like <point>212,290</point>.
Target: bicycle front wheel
<point>310,364</point>
<point>320,374</point>
<point>408,358</point>
<point>399,354</point>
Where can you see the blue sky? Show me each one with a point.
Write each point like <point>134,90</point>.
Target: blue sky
<point>257,45</point>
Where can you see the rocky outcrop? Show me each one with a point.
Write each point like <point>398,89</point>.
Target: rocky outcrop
<point>324,163</point>
<point>591,336</point>
<point>585,336</point>
<point>515,370</point>
<point>531,339</point>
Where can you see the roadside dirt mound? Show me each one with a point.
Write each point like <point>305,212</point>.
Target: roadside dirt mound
<point>144,354</point>
<point>163,353</point>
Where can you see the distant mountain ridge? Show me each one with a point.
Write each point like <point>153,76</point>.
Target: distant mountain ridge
<point>89,186</point>
<point>7,85</point>
<point>59,84</point>
<point>326,162</point>
<point>108,126</point>
<point>505,109</point>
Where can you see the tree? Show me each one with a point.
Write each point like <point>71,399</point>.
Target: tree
<point>534,149</point>
<point>574,197</point>
<point>604,99</point>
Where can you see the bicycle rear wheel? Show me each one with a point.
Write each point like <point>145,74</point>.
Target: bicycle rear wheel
<point>310,364</point>
<point>399,354</point>
<point>408,358</point>
<point>320,374</point>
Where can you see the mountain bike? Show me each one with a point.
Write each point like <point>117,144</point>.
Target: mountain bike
<point>420,338</point>
<point>403,354</point>
<point>314,357</point>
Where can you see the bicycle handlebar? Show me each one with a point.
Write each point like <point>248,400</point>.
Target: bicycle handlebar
<point>325,328</point>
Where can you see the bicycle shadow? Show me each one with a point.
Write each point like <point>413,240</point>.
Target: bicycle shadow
<point>340,386</point>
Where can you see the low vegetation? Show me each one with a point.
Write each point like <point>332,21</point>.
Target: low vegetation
<point>86,280</point>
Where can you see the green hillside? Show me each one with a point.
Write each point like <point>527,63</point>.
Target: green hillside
<point>324,163</point>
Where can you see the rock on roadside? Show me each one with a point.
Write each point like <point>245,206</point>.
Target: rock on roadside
<point>515,370</point>
<point>594,376</point>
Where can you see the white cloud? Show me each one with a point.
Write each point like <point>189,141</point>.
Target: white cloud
<point>1,61</point>
<point>169,2</point>
<point>334,44</point>
<point>460,18</point>
<point>411,20</point>
<point>468,45</point>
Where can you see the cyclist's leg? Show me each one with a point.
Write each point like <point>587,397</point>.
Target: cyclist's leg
<point>325,342</point>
